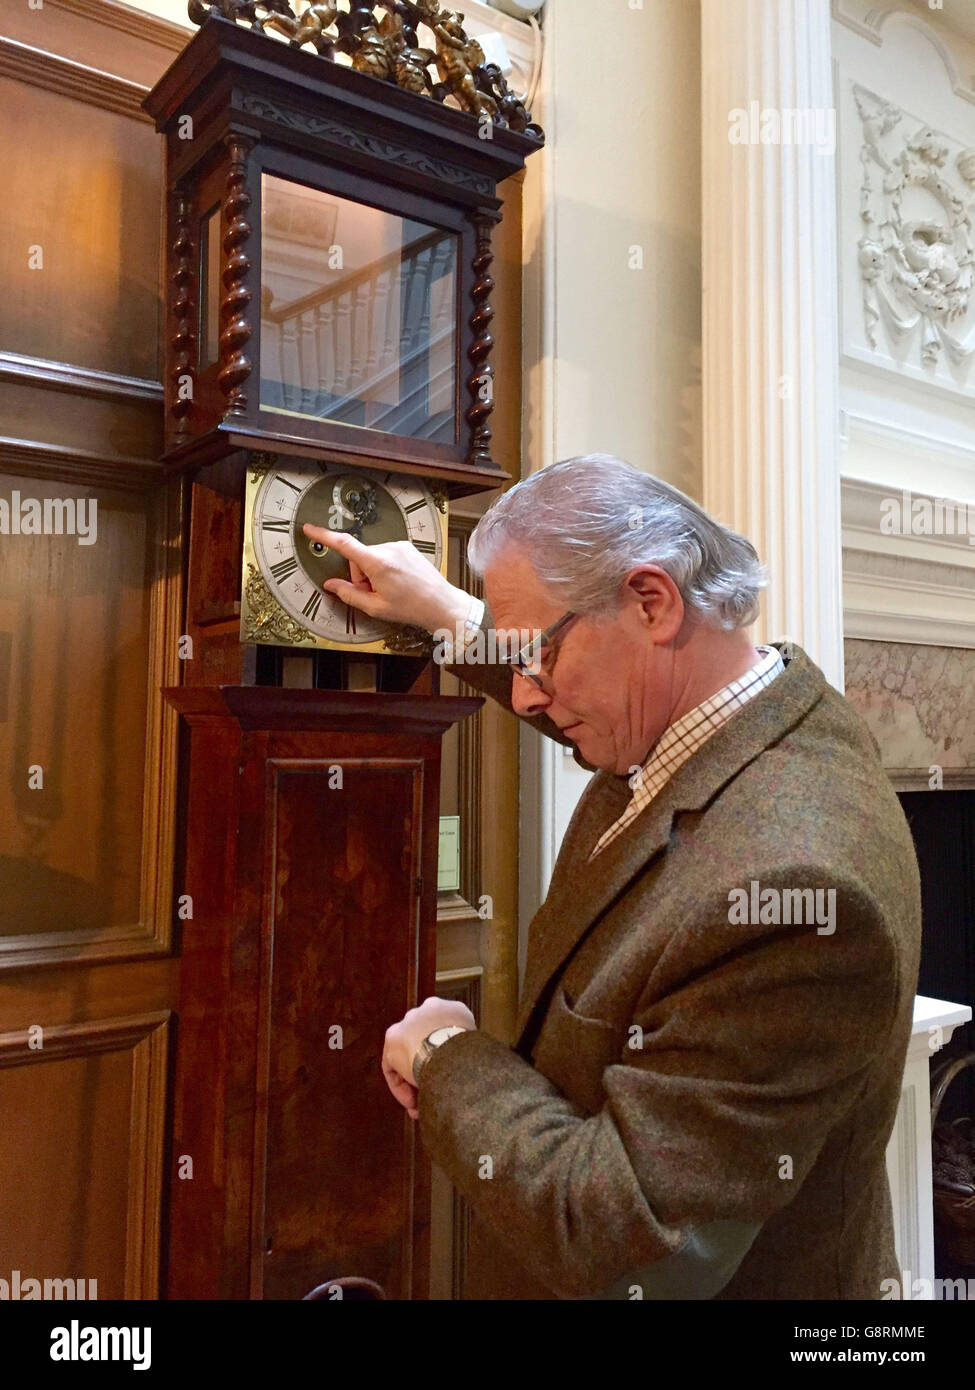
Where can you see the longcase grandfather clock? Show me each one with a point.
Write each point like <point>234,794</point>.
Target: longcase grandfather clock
<point>332,175</point>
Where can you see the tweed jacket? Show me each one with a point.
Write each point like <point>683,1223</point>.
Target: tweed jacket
<point>694,1105</point>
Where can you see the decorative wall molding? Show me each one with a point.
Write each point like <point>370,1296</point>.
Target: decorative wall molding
<point>912,779</point>
<point>80,381</point>
<point>869,21</point>
<point>31,458</point>
<point>64,1041</point>
<point>109,14</point>
<point>865,25</point>
<point>65,77</point>
<point>862,516</point>
<point>912,588</point>
<point>921,446</point>
<point>874,605</point>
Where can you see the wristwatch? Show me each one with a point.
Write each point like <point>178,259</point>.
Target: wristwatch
<point>455,647</point>
<point>434,1039</point>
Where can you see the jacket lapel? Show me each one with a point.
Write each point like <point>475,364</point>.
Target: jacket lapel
<point>581,893</point>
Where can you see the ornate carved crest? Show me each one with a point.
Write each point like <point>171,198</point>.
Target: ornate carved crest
<point>413,43</point>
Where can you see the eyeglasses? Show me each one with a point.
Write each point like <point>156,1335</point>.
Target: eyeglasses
<point>527,662</point>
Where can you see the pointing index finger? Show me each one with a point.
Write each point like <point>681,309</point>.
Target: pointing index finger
<point>341,541</point>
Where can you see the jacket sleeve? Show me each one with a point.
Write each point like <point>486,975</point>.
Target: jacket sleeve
<point>493,678</point>
<point>744,1069</point>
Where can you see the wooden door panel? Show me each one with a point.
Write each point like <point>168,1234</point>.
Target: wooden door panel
<point>76,613</point>
<point>93,1094</point>
<point>80,259</point>
<point>87,749</point>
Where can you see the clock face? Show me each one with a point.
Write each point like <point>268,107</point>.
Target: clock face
<point>283,599</point>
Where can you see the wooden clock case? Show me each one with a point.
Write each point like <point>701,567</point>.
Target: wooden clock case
<point>306,900</point>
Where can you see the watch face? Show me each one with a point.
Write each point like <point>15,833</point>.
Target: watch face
<point>440,1035</point>
<point>283,599</point>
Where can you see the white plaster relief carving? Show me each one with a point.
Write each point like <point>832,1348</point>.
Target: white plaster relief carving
<point>917,248</point>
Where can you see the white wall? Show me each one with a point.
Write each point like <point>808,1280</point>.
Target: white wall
<point>614,351</point>
<point>173,10</point>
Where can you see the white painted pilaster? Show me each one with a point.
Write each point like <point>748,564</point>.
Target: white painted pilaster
<point>770,334</point>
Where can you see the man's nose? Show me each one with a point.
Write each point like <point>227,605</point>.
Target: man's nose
<point>528,699</point>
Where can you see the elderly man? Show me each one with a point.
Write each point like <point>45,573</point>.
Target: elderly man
<point>719,985</point>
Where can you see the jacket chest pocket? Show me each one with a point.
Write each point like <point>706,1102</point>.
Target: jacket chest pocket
<point>573,1052</point>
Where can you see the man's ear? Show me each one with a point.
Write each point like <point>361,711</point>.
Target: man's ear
<point>659,599</point>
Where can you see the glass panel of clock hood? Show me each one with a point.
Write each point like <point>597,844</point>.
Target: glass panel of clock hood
<point>358,314</point>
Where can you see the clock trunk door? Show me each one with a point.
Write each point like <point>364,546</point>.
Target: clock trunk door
<point>340,944</point>
<point>310,842</point>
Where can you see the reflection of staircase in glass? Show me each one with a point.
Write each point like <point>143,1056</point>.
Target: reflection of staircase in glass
<point>375,350</point>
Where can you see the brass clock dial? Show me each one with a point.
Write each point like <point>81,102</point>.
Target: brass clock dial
<point>283,602</point>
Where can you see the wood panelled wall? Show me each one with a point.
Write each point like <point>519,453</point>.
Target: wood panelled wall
<point>89,634</point>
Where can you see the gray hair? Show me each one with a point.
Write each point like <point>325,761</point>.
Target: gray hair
<point>586,522</point>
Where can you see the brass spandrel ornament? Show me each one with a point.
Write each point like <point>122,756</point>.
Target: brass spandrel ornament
<point>383,41</point>
<point>409,641</point>
<point>264,620</point>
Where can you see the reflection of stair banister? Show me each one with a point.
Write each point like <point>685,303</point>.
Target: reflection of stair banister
<point>389,415</point>
<point>372,271</point>
<point>355,334</point>
<point>398,418</point>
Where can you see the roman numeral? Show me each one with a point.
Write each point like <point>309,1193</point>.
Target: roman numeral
<point>414,507</point>
<point>273,523</point>
<point>284,568</point>
<point>426,547</point>
<point>311,608</point>
<point>350,623</point>
<point>293,486</point>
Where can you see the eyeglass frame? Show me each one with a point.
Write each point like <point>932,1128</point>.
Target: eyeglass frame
<point>532,650</point>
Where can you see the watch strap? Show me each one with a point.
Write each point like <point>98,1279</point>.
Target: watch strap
<point>456,645</point>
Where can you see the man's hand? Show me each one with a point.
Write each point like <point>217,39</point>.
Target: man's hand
<point>392,581</point>
<point>403,1042</point>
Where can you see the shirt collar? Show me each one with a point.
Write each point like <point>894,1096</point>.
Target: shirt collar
<point>763,671</point>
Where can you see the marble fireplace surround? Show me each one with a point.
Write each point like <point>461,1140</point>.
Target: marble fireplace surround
<point>919,704</point>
